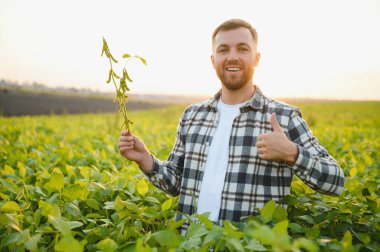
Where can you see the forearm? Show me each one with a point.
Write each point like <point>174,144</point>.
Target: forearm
<point>320,171</point>
<point>146,163</point>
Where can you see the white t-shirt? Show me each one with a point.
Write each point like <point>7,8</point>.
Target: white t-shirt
<point>217,161</point>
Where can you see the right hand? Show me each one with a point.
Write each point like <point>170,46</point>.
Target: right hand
<point>134,149</point>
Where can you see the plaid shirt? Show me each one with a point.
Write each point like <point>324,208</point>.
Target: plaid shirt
<point>250,182</point>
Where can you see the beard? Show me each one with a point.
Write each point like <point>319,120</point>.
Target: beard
<point>234,83</point>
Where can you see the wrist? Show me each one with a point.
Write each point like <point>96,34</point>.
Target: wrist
<point>146,163</point>
<point>292,155</point>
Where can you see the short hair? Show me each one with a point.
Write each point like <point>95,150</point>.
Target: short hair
<point>233,24</point>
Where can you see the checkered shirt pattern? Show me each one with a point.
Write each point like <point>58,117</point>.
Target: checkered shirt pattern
<point>250,182</point>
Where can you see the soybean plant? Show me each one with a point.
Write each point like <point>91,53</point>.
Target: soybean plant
<point>121,90</point>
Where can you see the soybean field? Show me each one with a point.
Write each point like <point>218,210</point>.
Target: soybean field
<point>65,187</point>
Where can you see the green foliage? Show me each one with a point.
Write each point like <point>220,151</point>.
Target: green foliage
<point>64,187</point>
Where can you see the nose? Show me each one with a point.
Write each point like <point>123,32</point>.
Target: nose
<point>233,55</point>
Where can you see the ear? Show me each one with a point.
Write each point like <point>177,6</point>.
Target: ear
<point>257,59</point>
<point>212,60</point>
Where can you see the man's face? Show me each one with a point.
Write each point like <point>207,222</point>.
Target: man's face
<point>234,57</point>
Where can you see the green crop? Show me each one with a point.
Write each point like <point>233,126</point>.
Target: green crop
<point>121,90</point>
<point>65,187</point>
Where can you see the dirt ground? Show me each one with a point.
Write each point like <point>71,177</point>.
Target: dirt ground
<point>17,103</point>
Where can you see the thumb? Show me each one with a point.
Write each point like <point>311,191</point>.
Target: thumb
<point>275,125</point>
<point>125,132</point>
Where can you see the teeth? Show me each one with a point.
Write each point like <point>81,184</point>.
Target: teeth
<point>233,68</point>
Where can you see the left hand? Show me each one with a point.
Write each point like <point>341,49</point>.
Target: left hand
<point>276,146</point>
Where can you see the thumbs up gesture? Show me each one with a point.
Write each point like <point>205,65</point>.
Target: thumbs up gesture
<point>276,146</point>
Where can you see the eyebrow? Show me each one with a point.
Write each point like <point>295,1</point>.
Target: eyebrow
<point>240,44</point>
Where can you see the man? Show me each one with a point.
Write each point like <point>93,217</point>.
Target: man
<point>240,149</point>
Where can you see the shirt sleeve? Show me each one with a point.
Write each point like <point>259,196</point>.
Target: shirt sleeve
<point>167,175</point>
<point>314,165</point>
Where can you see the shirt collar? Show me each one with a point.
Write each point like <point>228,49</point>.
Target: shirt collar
<point>256,101</point>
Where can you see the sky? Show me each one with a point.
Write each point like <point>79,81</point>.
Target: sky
<point>309,49</point>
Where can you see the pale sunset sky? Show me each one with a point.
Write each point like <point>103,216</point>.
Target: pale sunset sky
<point>315,49</point>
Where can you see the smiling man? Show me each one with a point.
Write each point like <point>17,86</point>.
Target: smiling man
<point>240,149</point>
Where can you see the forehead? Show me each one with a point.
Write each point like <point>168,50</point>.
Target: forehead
<point>234,37</point>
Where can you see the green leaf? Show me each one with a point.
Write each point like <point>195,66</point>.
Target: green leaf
<point>264,234</point>
<point>255,245</point>
<point>166,238</point>
<point>141,247</point>
<point>75,224</point>
<point>142,59</point>
<point>10,185</point>
<point>4,196</point>
<point>191,244</point>
<point>11,221</point>
<point>126,55</point>
<point>118,205</point>
<point>92,203</point>
<point>45,207</point>
<point>61,225</point>
<point>7,170</point>
<point>365,238</point>
<point>347,242</point>
<point>37,217</point>
<point>205,220</point>
<point>150,212</point>
<point>10,206</point>
<point>107,245</point>
<point>21,168</point>
<point>177,224</point>
<point>214,235</point>
<point>32,243</point>
<point>281,228</point>
<point>234,244</point>
<point>73,210</point>
<point>142,187</point>
<point>280,213</point>
<point>196,230</point>
<point>312,233</point>
<point>69,244</point>
<point>55,182</point>
<point>268,210</point>
<point>306,244</point>
<point>296,228</point>
<point>307,218</point>
<point>167,204</point>
<point>73,192</point>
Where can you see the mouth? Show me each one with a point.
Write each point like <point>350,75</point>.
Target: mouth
<point>233,69</point>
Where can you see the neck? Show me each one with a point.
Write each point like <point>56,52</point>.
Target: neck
<point>232,97</point>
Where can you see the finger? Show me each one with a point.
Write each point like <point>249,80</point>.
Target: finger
<point>123,144</point>
<point>126,138</point>
<point>124,132</point>
<point>260,144</point>
<point>275,125</point>
<point>125,149</point>
<point>261,150</point>
<point>262,156</point>
<point>260,137</point>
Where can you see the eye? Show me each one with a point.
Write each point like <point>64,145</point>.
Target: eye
<point>222,50</point>
<point>243,49</point>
